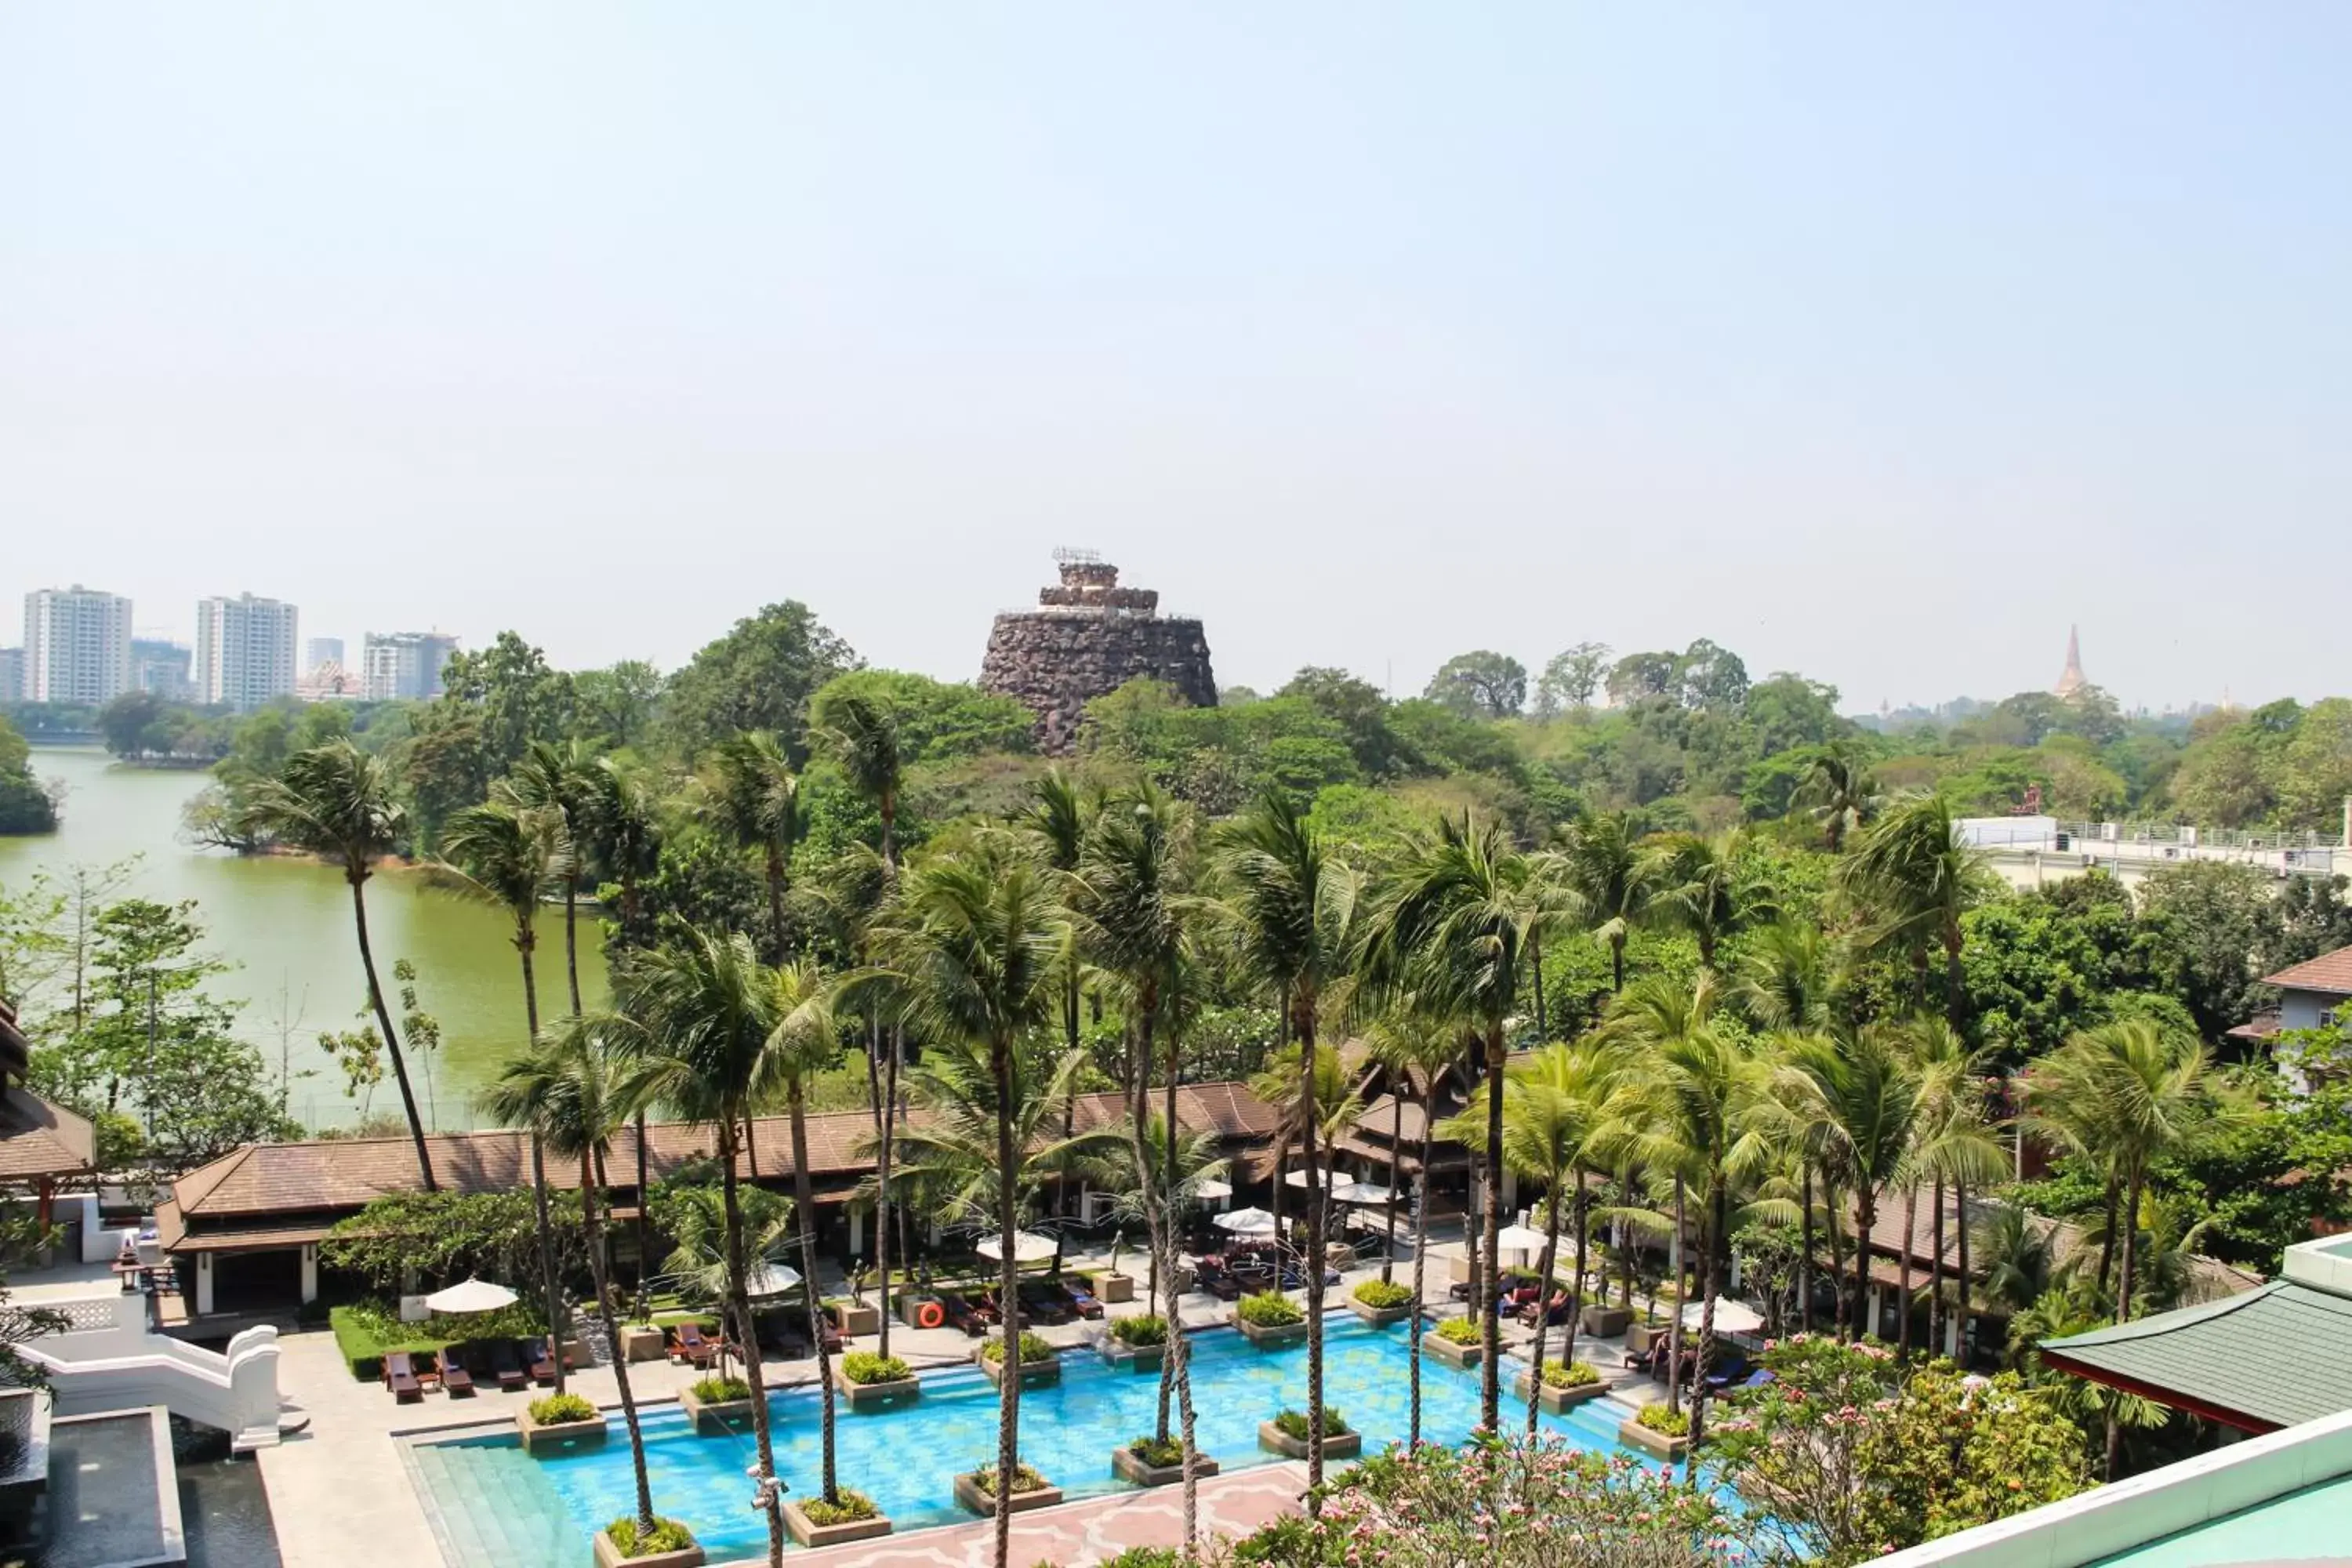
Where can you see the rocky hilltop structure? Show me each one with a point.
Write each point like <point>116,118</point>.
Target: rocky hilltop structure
<point>1089,637</point>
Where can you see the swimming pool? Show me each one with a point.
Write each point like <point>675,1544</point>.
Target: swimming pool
<point>492,1504</point>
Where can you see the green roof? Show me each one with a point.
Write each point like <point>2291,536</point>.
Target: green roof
<point>2269,1358</point>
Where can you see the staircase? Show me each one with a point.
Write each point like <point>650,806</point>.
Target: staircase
<point>106,1360</point>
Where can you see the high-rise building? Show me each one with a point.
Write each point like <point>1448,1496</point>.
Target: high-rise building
<point>12,675</point>
<point>244,651</point>
<point>317,651</point>
<point>76,646</point>
<point>403,664</point>
<point>161,666</point>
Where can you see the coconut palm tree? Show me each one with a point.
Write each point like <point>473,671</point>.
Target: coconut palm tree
<point>573,1089</point>
<point>507,856</point>
<point>1910,879</point>
<point>754,797</point>
<point>1416,1050</point>
<point>1601,861</point>
<point>1288,909</point>
<point>622,843</point>
<point>1957,1149</point>
<point>1789,977</point>
<point>566,781</point>
<point>1703,886</point>
<point>1858,1099</point>
<point>1056,819</point>
<point>336,801</point>
<point>1840,793</point>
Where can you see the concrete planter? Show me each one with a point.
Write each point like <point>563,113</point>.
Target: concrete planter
<point>1271,1338</point>
<point>1559,1400</point>
<point>969,1496</point>
<point>1460,1357</point>
<point>1111,1290</point>
<point>609,1557</point>
<point>715,1418</point>
<point>1338,1446</point>
<point>816,1535</point>
<point>576,1354</point>
<point>1641,1337</point>
<point>853,1319</point>
<point>556,1436</point>
<point>1633,1434</point>
<point>644,1342</point>
<point>1126,1466</point>
<point>1033,1374</point>
<point>1380,1317</point>
<point>865,1395</point>
<point>1604,1322</point>
<point>1133,1358</point>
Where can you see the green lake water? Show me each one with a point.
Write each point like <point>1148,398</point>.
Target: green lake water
<point>285,925</point>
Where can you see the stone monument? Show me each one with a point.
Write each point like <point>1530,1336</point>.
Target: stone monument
<point>1089,637</point>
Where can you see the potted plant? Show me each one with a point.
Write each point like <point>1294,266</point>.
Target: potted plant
<point>1286,1434</point>
<point>1038,1360</point>
<point>1151,1461</point>
<point>1111,1287</point>
<point>717,1405</point>
<point>1138,1343</point>
<point>671,1545</point>
<point>1456,1342</point>
<point>1604,1322</point>
<point>558,1421</point>
<point>976,1491</point>
<point>1381,1302</point>
<point>1270,1318</point>
<point>814,1522</point>
<point>1566,1385</point>
<point>1657,1431</point>
<point>866,1379</point>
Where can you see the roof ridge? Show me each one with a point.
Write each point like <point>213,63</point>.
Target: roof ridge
<point>2164,1323</point>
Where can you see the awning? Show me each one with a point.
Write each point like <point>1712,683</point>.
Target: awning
<point>2268,1359</point>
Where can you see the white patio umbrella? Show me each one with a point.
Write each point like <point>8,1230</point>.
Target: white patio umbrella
<point>1730,1316</point>
<point>1209,1189</point>
<point>1247,1222</point>
<point>471,1295</point>
<point>1028,1246</point>
<point>1519,1238</point>
<point>1299,1178</point>
<point>1370,1194</point>
<point>766,1280</point>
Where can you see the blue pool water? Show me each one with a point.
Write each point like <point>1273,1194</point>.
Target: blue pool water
<point>497,1505</point>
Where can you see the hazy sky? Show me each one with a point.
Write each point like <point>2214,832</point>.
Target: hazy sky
<point>1877,342</point>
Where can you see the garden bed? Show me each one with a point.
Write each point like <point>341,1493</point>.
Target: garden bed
<point>717,1417</point>
<point>1667,1446</point>
<point>553,1437</point>
<point>1458,1356</point>
<point>1034,1373</point>
<point>1131,1466</point>
<point>1133,1358</point>
<point>970,1497</point>
<point>608,1555</point>
<point>810,1534</point>
<point>1559,1398</point>
<point>899,1384</point>
<point>1342,1445</point>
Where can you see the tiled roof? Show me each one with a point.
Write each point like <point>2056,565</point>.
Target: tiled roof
<point>37,1139</point>
<point>2271,1358</point>
<point>2330,973</point>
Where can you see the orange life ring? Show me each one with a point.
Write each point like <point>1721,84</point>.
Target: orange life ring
<point>930,1315</point>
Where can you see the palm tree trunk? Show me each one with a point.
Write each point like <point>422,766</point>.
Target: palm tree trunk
<point>547,1274</point>
<point>1396,1181</point>
<point>1935,1273</point>
<point>2108,1241</point>
<point>1865,1215</point>
<point>571,938</point>
<point>1308,1116</point>
<point>1805,1252</point>
<point>1675,1324</point>
<point>1167,1205</point>
<point>391,1035</point>
<point>1712,1282</point>
<point>588,1231</point>
<point>645,1243</point>
<point>1008,1286</point>
<point>1421,1255</point>
<point>2131,1251</point>
<point>1180,1351</point>
<point>1543,1306</point>
<point>1490,1369</point>
<point>882,1204</point>
<point>804,1221</point>
<point>740,1301</point>
<point>1902,1266</point>
<point>1616,964</point>
<point>1960,1227</point>
<point>1837,1254</point>
<point>775,903</point>
<point>1534,959</point>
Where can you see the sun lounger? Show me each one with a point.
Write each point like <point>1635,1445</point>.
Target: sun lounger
<point>962,1314</point>
<point>1082,1301</point>
<point>693,1348</point>
<point>507,1366</point>
<point>541,1363</point>
<point>400,1377</point>
<point>1555,1311</point>
<point>455,1379</point>
<point>1041,1303</point>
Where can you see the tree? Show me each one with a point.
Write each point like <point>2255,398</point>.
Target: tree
<point>1857,1104</point>
<point>1706,886</point>
<point>336,801</point>
<point>567,782</point>
<point>615,706</point>
<point>1361,714</point>
<point>1639,675</point>
<point>757,677</point>
<point>25,806</point>
<point>1708,677</point>
<point>802,1044</point>
<point>1416,1049</point>
<point>1840,793</point>
<point>1602,864</point>
<point>1572,678</point>
<point>754,798</point>
<point>1481,685</point>
<point>1911,879</point>
<point>515,695</point>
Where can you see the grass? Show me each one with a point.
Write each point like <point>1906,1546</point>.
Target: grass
<point>1292,1424</point>
<point>1269,1310</point>
<point>1381,1294</point>
<point>1461,1331</point>
<point>554,1409</point>
<point>853,1507</point>
<point>1658,1418</point>
<point>668,1535</point>
<point>1143,1332</point>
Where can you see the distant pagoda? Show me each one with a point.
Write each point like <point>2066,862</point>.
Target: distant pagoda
<point>2073,681</point>
<point>1087,637</point>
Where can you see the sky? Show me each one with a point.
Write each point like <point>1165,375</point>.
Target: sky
<point>1878,343</point>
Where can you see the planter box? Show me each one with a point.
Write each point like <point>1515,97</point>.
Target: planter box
<point>814,1535</point>
<point>1380,1317</point>
<point>1641,1337</point>
<point>644,1342</point>
<point>716,1418</point>
<point>852,1318</point>
<point>1111,1290</point>
<point>1128,1468</point>
<point>1033,1374</point>
<point>1133,1358</point>
<point>609,1557</point>
<point>576,1354</point>
<point>1560,1400</point>
<point>969,1496</point>
<point>562,1434</point>
<point>1337,1446</point>
<point>1605,1322</point>
<point>1269,1339</point>
<point>862,1396</point>
<point>1633,1434</point>
<point>1461,1358</point>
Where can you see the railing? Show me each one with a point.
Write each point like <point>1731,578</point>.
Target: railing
<point>106,1360</point>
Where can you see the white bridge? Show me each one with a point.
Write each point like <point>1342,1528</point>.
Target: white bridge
<point>106,1360</point>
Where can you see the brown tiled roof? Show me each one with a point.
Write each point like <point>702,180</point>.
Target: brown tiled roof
<point>2330,973</point>
<point>37,1139</point>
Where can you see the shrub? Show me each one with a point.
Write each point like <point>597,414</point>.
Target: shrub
<point>668,1535</point>
<point>1034,1347</point>
<point>1658,1418</point>
<point>1025,1479</point>
<point>1269,1310</point>
<point>1569,1375</point>
<point>1145,1331</point>
<point>853,1507</point>
<point>1461,1331</point>
<point>1159,1453</point>
<point>367,1332</point>
<point>720,1390</point>
<point>1381,1294</point>
<point>863,1367</point>
<point>1292,1424</point>
<point>1147,1557</point>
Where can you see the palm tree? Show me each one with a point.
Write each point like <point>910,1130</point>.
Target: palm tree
<point>573,1090</point>
<point>336,801</point>
<point>802,1044</point>
<point>1289,908</point>
<point>1456,925</point>
<point>1601,861</point>
<point>969,956</point>
<point>1857,1098</point>
<point>624,838</point>
<point>1840,793</point>
<point>567,780</point>
<point>1057,819</point>
<point>1957,1148</point>
<point>755,798</point>
<point>709,1007</point>
<point>1911,879</point>
<point>1702,886</point>
<point>507,856</point>
<point>1416,1050</point>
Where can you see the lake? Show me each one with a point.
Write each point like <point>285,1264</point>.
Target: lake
<point>286,926</point>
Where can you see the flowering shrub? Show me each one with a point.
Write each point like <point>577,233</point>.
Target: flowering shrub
<point>1461,1331</point>
<point>1569,1375</point>
<point>1269,1310</point>
<point>1380,1295</point>
<point>1847,1454</point>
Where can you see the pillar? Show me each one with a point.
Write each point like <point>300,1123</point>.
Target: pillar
<point>310,1272</point>
<point>204,1284</point>
<point>857,1234</point>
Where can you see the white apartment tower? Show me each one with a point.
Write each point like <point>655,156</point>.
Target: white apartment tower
<point>76,646</point>
<point>403,665</point>
<point>244,651</point>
